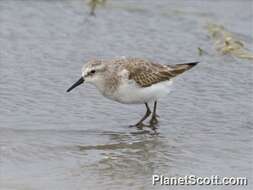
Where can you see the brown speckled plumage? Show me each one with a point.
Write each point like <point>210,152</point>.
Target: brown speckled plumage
<point>146,73</point>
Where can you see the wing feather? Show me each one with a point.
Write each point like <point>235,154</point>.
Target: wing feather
<point>146,73</point>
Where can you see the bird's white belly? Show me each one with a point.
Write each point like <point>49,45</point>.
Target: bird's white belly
<point>130,93</point>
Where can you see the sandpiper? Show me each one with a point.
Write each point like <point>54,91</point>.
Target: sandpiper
<point>132,81</point>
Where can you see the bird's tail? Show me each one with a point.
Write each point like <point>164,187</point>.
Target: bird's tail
<point>180,68</point>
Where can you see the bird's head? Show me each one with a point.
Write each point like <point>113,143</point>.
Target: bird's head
<point>92,72</point>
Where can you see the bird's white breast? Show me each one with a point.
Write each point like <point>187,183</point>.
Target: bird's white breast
<point>129,92</point>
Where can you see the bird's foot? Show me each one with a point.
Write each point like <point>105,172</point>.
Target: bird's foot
<point>151,126</point>
<point>154,120</point>
<point>139,125</point>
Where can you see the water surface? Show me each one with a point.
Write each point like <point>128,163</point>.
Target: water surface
<point>53,140</point>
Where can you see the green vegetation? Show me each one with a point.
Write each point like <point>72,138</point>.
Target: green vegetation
<point>226,43</point>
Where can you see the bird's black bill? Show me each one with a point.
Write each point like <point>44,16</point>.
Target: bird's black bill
<point>80,81</point>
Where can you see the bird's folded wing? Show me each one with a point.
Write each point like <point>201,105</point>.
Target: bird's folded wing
<point>147,73</point>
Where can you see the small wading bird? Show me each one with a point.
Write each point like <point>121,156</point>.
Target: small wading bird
<point>132,81</point>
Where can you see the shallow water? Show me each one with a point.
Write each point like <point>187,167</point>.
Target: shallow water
<point>53,140</point>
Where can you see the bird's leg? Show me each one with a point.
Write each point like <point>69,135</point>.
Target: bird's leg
<point>140,124</point>
<point>154,120</point>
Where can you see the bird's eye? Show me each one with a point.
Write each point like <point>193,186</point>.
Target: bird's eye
<point>92,71</point>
